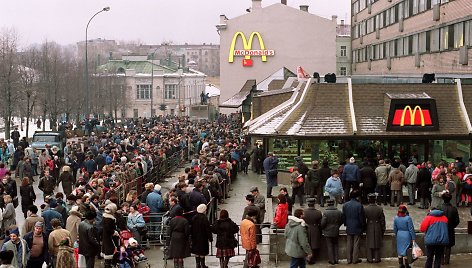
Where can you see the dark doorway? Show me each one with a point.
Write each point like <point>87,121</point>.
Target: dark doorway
<point>408,149</point>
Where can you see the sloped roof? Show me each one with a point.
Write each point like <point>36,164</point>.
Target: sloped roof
<point>237,100</point>
<point>142,67</point>
<point>324,112</point>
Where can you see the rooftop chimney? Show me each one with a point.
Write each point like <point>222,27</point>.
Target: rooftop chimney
<point>334,19</point>
<point>342,22</point>
<point>256,4</point>
<point>304,8</point>
<point>284,2</point>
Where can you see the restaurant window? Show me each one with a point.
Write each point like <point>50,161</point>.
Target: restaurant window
<point>286,150</point>
<point>448,150</point>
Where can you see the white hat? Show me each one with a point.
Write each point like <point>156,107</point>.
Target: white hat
<point>74,208</point>
<point>157,187</point>
<point>201,208</point>
<point>111,208</point>
<point>352,160</point>
<point>123,159</point>
<point>132,240</point>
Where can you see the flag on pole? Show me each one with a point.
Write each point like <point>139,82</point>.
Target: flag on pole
<point>301,73</point>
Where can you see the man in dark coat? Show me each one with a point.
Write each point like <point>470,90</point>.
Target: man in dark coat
<point>251,206</point>
<point>196,198</point>
<point>350,177</point>
<point>330,222</point>
<point>324,173</point>
<point>89,245</point>
<point>312,218</point>
<point>179,239</point>
<point>67,179</point>
<point>47,184</point>
<point>354,220</point>
<point>423,184</point>
<point>39,256</point>
<point>375,228</point>
<point>270,167</point>
<point>453,219</point>
<point>201,235</point>
<point>368,180</point>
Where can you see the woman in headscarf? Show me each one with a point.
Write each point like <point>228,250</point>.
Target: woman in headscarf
<point>405,234</point>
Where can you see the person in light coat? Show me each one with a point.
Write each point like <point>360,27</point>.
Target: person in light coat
<point>296,243</point>
<point>334,187</point>
<point>411,175</point>
<point>72,223</point>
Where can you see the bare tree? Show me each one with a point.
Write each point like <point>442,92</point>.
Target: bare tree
<point>29,62</point>
<point>9,77</point>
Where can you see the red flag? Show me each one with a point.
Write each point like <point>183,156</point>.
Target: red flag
<point>247,62</point>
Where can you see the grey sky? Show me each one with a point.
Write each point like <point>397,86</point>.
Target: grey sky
<point>147,21</point>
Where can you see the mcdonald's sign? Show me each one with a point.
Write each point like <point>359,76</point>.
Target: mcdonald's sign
<point>409,115</point>
<point>247,52</point>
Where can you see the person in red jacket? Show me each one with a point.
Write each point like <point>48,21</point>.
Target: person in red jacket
<point>436,236</point>
<point>281,212</point>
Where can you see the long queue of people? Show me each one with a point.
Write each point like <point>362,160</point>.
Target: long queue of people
<point>87,220</point>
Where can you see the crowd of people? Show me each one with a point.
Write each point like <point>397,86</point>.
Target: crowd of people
<point>88,219</point>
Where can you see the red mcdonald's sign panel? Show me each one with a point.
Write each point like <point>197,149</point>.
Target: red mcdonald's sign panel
<point>413,115</point>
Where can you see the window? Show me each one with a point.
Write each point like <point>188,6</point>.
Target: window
<point>343,51</point>
<point>143,92</point>
<point>343,71</point>
<point>459,35</point>
<point>169,91</point>
<point>435,40</point>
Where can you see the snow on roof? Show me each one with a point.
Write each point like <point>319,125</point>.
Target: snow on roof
<point>212,90</point>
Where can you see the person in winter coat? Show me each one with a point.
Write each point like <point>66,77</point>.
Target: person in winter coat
<point>154,200</point>
<point>405,234</point>
<point>368,180</point>
<point>225,230</point>
<point>297,181</point>
<point>313,181</point>
<point>451,187</point>
<point>72,223</point>
<point>19,248</point>
<point>411,176</point>
<point>148,188</point>
<point>281,212</point>
<point>248,234</point>
<point>32,219</point>
<point>334,187</point>
<point>330,223</point>
<point>296,243</point>
<point>312,218</point>
<point>396,180</point>
<point>88,242</point>
<point>47,184</point>
<point>325,174</point>
<point>259,201</point>
<point>439,188</point>
<point>38,252</point>
<point>179,239</point>
<point>55,238</point>
<point>453,220</point>
<point>375,228</point>
<point>9,214</point>
<point>270,165</point>
<point>201,235</point>
<point>65,255</point>
<point>354,220</point>
<point>423,183</point>
<point>67,179</point>
<point>135,222</point>
<point>381,172</point>
<point>351,177</point>
<point>27,195</point>
<point>109,234</point>
<point>436,237</point>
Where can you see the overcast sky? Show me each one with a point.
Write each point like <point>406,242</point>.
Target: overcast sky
<point>147,21</point>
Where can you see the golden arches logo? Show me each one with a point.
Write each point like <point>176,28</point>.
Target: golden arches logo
<point>412,115</point>
<point>247,52</point>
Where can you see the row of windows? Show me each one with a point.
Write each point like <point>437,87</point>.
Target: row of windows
<point>444,38</point>
<point>416,5</point>
<point>144,92</point>
<point>392,15</point>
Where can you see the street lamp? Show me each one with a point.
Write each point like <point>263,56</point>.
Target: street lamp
<point>87,98</point>
<point>152,78</point>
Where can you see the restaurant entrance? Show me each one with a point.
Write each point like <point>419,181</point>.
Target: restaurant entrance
<point>408,149</point>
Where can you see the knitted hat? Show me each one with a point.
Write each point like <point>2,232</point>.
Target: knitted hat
<point>15,231</point>
<point>201,208</point>
<point>352,160</point>
<point>157,187</point>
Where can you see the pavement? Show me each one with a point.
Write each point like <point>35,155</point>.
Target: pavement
<point>235,206</point>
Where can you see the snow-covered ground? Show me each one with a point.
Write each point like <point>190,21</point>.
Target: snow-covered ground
<point>16,122</point>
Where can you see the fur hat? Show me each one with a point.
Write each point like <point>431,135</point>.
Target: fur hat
<point>352,160</point>
<point>157,187</point>
<point>201,208</point>
<point>110,208</point>
<point>132,241</point>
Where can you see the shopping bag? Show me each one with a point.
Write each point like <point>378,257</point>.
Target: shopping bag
<point>81,263</point>
<point>416,251</point>
<point>254,258</point>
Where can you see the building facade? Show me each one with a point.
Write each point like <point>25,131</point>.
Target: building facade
<point>411,36</point>
<point>151,88</point>
<point>256,44</point>
<point>343,49</point>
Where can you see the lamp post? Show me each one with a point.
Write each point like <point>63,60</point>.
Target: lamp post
<point>87,97</point>
<point>152,79</point>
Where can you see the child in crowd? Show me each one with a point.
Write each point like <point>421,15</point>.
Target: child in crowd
<point>135,251</point>
<point>334,187</point>
<point>122,259</point>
